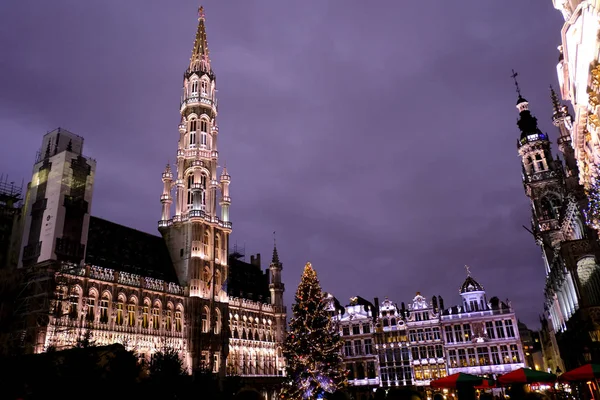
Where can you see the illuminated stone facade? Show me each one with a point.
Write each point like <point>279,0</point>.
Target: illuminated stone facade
<point>357,325</point>
<point>392,347</point>
<point>145,314</point>
<point>569,246</point>
<point>411,346</point>
<point>579,76</point>
<point>425,340</point>
<point>481,337</point>
<point>107,283</point>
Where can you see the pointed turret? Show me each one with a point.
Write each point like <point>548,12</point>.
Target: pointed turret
<point>200,60</point>
<point>165,197</point>
<point>562,120</point>
<point>275,258</point>
<point>276,287</point>
<point>225,199</point>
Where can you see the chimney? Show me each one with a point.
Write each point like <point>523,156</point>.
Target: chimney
<point>434,303</point>
<point>441,301</point>
<point>255,260</point>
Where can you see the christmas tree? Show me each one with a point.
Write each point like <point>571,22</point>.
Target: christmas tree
<point>313,345</point>
<point>592,213</point>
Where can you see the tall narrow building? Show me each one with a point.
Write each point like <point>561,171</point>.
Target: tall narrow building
<point>58,202</point>
<point>569,247</point>
<point>197,236</point>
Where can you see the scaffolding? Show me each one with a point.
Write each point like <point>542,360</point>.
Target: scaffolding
<point>10,205</point>
<point>10,194</point>
<point>44,296</point>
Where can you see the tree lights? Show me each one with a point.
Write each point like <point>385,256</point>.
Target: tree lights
<point>313,345</point>
<point>592,214</point>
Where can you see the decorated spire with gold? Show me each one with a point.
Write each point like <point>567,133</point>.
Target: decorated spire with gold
<point>200,60</point>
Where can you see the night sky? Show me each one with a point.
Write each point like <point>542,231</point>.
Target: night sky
<point>378,142</point>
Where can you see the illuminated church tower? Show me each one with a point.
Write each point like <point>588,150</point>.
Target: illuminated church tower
<point>197,235</point>
<point>569,247</point>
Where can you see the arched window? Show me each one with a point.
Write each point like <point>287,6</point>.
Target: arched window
<point>217,321</point>
<point>205,242</point>
<point>178,322</point>
<point>204,86</point>
<point>190,195</point>
<point>120,310</point>
<point>578,232</point>
<point>145,314</point>
<point>156,315</point>
<point>205,321</point>
<point>550,207</point>
<point>91,310</point>
<point>193,129</point>
<point>589,277</point>
<point>74,303</point>
<point>529,165</point>
<point>104,308</point>
<point>194,88</point>
<point>131,312</point>
<point>539,163</point>
<point>169,318</point>
<point>217,246</point>
<point>203,132</point>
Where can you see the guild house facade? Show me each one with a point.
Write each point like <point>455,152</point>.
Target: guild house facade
<point>110,283</point>
<point>411,346</point>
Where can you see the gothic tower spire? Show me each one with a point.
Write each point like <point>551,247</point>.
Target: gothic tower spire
<point>197,235</point>
<point>200,60</point>
<point>562,120</point>
<point>276,287</point>
<point>542,174</point>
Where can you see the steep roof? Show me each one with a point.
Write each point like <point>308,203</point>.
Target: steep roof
<point>125,249</point>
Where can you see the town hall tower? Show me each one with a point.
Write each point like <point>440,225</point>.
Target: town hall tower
<point>197,235</point>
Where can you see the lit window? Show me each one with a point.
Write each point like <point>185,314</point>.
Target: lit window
<point>145,315</point>
<point>156,317</point>
<point>178,321</point>
<point>119,318</point>
<point>131,313</point>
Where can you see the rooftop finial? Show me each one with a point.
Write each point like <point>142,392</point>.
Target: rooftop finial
<point>201,14</point>
<point>514,76</point>
<point>468,270</point>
